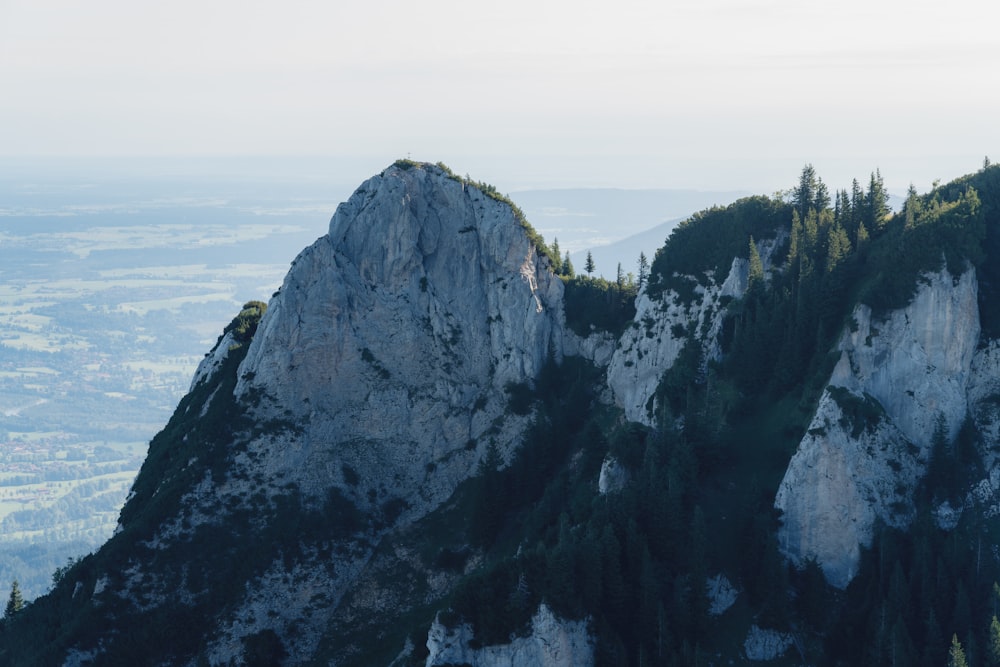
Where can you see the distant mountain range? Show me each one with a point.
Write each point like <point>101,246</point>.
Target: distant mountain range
<point>615,224</point>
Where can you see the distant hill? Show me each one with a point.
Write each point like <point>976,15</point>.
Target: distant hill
<point>582,218</point>
<point>626,251</point>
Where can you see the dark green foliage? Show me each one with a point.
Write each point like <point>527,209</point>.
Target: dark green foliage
<point>915,589</point>
<point>519,398</point>
<point>710,240</point>
<point>15,602</point>
<point>946,228</point>
<point>244,325</point>
<point>597,304</point>
<point>263,649</point>
<point>861,414</point>
<point>700,490</point>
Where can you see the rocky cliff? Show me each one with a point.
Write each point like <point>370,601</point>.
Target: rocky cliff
<point>374,384</point>
<point>410,459</point>
<point>899,380</point>
<point>394,337</point>
<point>664,324</point>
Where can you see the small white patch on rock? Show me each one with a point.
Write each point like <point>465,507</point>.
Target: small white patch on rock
<point>613,476</point>
<point>721,594</point>
<point>553,642</point>
<point>946,517</point>
<point>762,644</point>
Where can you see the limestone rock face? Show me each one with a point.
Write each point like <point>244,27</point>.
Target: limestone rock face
<point>984,408</point>
<point>377,376</point>
<point>552,643</point>
<point>899,378</point>
<point>394,336</point>
<point>661,328</point>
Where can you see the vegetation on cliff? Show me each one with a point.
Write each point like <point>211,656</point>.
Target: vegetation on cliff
<point>697,500</point>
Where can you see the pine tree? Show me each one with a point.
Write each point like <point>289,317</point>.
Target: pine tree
<point>557,253</point>
<point>912,207</point>
<point>794,240</point>
<point>15,602</point>
<point>804,195</point>
<point>756,272</point>
<point>993,647</point>
<point>877,202</point>
<point>956,655</point>
<point>857,204</point>
<point>643,269</point>
<point>589,265</point>
<point>567,267</point>
<point>861,238</point>
<point>837,248</point>
<point>821,202</point>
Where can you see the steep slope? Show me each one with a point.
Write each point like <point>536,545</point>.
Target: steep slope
<point>898,381</point>
<point>393,338</point>
<point>410,459</point>
<point>373,385</point>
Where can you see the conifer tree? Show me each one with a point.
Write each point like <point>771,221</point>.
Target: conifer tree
<point>643,269</point>
<point>557,253</point>
<point>804,195</point>
<point>589,265</point>
<point>793,243</point>
<point>857,203</point>
<point>877,202</point>
<point>837,248</point>
<point>861,238</point>
<point>567,266</point>
<point>993,647</point>
<point>15,602</point>
<point>756,272</point>
<point>821,200</point>
<point>956,655</point>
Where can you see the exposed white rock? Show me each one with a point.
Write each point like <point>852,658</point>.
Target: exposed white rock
<point>292,602</point>
<point>78,658</point>
<point>393,338</point>
<point>721,594</point>
<point>553,642</point>
<point>984,408</point>
<point>378,370</point>
<point>914,365</point>
<point>946,517</point>
<point>837,485</point>
<point>213,360</point>
<point>984,400</point>
<point>650,346</point>
<point>613,476</point>
<point>762,644</point>
<point>598,347</point>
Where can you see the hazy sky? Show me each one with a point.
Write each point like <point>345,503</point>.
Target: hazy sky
<point>703,93</point>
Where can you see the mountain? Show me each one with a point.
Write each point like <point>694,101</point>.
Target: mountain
<point>614,224</point>
<point>432,448</point>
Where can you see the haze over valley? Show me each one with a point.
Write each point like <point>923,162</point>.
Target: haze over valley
<point>114,285</point>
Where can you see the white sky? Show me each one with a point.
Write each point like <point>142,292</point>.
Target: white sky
<point>710,94</point>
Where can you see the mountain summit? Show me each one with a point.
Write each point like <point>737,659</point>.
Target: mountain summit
<point>436,445</point>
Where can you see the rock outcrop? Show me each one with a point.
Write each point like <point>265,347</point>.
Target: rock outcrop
<point>393,338</point>
<point>372,386</point>
<point>662,327</point>
<point>552,643</point>
<point>898,380</point>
